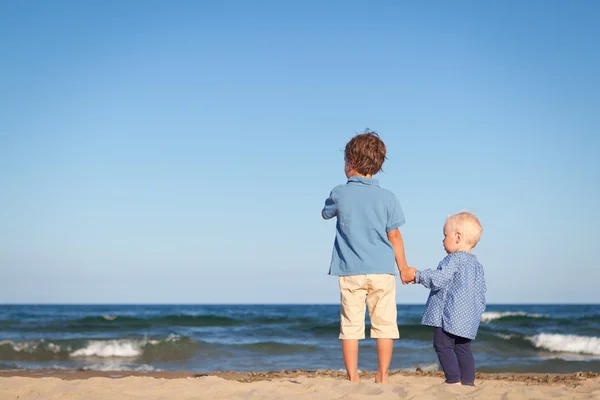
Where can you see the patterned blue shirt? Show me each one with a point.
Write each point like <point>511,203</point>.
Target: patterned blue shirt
<point>457,297</point>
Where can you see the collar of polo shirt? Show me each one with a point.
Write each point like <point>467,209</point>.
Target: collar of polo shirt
<point>363,180</point>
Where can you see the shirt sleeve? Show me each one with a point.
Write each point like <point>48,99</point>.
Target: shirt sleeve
<point>439,278</point>
<point>330,209</point>
<point>395,216</point>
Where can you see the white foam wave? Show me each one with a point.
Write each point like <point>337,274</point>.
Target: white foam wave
<point>118,347</point>
<point>360,371</point>
<point>119,367</point>
<point>423,367</point>
<point>60,367</point>
<point>505,337</point>
<point>31,346</point>
<point>94,348</point>
<point>111,348</point>
<point>567,343</point>
<point>109,317</point>
<point>171,338</point>
<point>489,316</point>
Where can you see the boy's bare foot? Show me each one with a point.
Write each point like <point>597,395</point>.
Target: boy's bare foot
<point>381,378</point>
<point>354,378</point>
<point>451,383</point>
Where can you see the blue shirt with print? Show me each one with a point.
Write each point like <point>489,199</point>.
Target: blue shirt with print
<point>457,297</point>
<point>365,214</point>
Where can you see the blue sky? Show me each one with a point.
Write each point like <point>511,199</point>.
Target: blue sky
<point>171,152</point>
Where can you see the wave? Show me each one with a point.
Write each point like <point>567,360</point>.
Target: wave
<point>124,322</point>
<point>490,316</point>
<point>567,343</point>
<point>528,318</point>
<point>553,342</point>
<point>114,322</point>
<point>135,350</point>
<point>170,348</point>
<point>111,348</point>
<point>110,366</point>
<point>423,367</point>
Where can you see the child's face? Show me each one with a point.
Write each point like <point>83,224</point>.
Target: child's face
<point>451,238</point>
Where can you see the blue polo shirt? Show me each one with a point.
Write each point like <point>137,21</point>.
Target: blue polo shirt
<point>365,214</point>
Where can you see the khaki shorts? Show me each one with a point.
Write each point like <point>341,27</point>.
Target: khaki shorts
<point>378,291</point>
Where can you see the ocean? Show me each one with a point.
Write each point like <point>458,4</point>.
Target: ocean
<point>512,338</point>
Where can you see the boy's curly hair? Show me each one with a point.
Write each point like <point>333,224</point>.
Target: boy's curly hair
<point>365,153</point>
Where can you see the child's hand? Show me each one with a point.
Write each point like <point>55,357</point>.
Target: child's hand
<point>408,275</point>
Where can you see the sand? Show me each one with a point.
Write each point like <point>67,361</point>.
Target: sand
<point>286,385</point>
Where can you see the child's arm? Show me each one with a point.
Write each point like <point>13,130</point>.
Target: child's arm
<point>330,209</point>
<point>436,279</point>
<point>407,274</point>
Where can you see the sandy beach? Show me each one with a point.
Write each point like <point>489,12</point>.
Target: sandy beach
<point>287,384</point>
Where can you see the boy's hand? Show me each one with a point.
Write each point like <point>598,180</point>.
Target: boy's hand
<point>408,275</point>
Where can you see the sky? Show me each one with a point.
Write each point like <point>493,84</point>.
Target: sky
<point>182,151</point>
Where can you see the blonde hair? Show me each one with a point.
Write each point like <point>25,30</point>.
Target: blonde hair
<point>468,225</point>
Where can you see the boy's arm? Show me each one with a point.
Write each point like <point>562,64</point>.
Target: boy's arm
<point>330,209</point>
<point>407,274</point>
<point>437,278</point>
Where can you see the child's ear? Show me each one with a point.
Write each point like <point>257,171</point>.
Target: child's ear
<point>458,237</point>
<point>348,167</point>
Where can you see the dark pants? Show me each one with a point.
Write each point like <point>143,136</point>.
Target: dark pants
<point>454,353</point>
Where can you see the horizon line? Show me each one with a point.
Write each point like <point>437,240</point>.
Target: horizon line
<point>263,304</point>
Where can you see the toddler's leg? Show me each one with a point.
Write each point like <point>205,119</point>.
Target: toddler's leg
<point>466,361</point>
<point>443,344</point>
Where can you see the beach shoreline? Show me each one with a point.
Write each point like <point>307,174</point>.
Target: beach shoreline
<point>258,376</point>
<point>301,385</point>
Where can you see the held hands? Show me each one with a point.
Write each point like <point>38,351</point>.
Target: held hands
<point>408,275</point>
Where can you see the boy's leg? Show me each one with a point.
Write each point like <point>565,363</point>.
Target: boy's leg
<point>443,343</point>
<point>350,353</point>
<point>352,320</point>
<point>384,320</point>
<point>385,348</point>
<point>466,361</point>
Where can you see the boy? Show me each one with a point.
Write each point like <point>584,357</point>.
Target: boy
<point>367,246</point>
<point>457,298</point>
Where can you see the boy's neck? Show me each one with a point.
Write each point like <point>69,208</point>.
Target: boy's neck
<point>354,173</point>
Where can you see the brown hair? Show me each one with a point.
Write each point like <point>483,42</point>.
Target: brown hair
<point>365,153</point>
